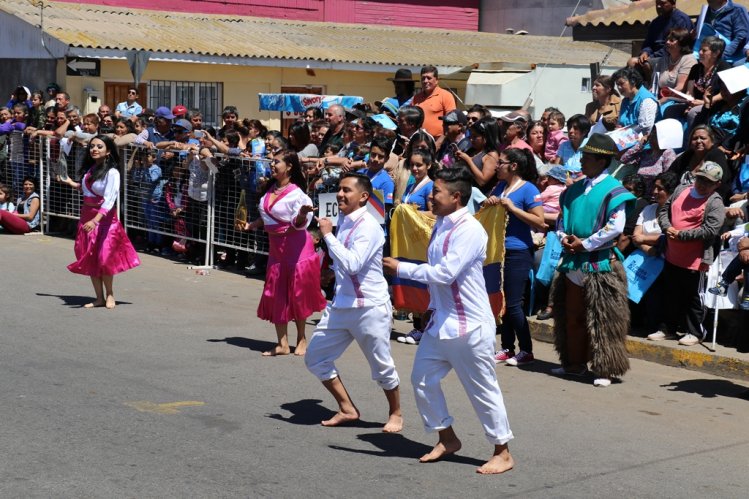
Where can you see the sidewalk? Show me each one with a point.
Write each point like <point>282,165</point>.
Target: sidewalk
<point>725,361</point>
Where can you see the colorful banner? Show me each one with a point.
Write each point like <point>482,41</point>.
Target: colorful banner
<point>299,102</point>
<point>328,206</point>
<point>410,231</point>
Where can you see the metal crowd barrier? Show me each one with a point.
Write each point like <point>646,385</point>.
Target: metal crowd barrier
<point>156,201</point>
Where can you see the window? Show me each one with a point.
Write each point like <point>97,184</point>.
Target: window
<point>205,96</point>
<point>585,85</point>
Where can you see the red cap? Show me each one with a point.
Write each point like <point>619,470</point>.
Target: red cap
<point>179,110</point>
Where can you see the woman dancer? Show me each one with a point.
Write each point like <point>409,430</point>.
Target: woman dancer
<point>292,278</point>
<point>102,248</point>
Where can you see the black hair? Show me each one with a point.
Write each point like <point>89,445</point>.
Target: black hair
<point>457,179</point>
<point>232,138</point>
<point>637,182</point>
<point>382,143</point>
<point>230,110</point>
<point>362,181</point>
<point>33,180</point>
<point>478,108</point>
<point>425,154</point>
<point>125,121</point>
<point>111,161</point>
<point>670,180</point>
<point>631,75</point>
<point>430,69</point>
<point>318,115</point>
<point>413,115</point>
<point>296,174</point>
<point>420,136</point>
<point>525,161</point>
<point>488,128</point>
<point>581,122</point>
<point>300,132</point>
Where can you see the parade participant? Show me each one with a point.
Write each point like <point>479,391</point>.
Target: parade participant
<point>102,248</point>
<point>292,278</point>
<point>361,309</point>
<point>591,314</point>
<point>461,333</point>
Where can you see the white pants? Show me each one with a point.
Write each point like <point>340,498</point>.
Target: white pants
<point>338,327</point>
<point>472,357</point>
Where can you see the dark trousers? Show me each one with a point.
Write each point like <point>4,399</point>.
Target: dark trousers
<point>733,270</point>
<point>682,300</point>
<point>517,268</point>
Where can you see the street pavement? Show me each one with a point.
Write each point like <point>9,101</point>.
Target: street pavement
<point>168,396</point>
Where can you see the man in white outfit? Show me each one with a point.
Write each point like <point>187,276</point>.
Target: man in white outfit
<point>361,309</point>
<point>461,332</point>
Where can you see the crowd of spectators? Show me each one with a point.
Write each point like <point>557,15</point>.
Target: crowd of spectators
<point>687,168</point>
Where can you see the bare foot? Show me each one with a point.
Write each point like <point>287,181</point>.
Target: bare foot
<point>441,450</point>
<point>500,462</point>
<point>277,351</point>
<point>95,304</point>
<point>110,302</point>
<point>301,348</point>
<point>394,424</point>
<point>341,418</point>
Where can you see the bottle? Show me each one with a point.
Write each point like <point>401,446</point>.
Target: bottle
<point>240,214</point>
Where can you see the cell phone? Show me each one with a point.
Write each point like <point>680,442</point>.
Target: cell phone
<point>199,134</point>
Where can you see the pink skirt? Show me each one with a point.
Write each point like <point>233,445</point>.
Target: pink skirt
<point>292,279</point>
<point>106,250</point>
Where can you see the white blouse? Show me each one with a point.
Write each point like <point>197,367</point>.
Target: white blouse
<point>108,188</point>
<point>287,208</point>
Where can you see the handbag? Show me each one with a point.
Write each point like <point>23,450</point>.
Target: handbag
<point>550,259</point>
<point>642,270</point>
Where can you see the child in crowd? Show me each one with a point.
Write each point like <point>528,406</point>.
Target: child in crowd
<point>556,136</point>
<point>153,202</point>
<point>556,179</point>
<point>141,129</point>
<point>176,197</point>
<point>5,195</point>
<point>738,237</point>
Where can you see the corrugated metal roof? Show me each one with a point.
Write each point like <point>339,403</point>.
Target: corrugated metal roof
<point>104,27</point>
<point>641,12</point>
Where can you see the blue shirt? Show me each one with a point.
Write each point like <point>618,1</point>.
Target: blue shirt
<point>418,197</point>
<point>655,41</point>
<point>518,233</point>
<point>381,181</point>
<point>571,158</point>
<point>128,110</point>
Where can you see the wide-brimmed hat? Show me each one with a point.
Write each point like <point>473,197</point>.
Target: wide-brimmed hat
<point>599,143</point>
<point>402,74</point>
<point>514,116</point>
<point>710,170</point>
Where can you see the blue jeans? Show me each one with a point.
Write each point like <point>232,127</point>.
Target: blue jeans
<point>518,264</point>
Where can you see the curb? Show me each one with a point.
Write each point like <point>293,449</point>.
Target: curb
<point>718,365</point>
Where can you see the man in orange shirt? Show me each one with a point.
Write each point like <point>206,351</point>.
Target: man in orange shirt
<point>434,100</point>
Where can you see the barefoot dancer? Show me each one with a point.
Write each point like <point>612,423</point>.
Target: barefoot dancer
<point>461,332</point>
<point>102,248</point>
<point>361,309</point>
<point>293,271</point>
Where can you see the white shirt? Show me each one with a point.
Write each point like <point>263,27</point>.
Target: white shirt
<point>648,220</point>
<point>357,261</point>
<point>455,276</point>
<point>108,188</point>
<point>286,208</point>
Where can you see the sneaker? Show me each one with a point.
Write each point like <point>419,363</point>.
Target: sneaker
<point>603,382</point>
<point>503,356</point>
<point>521,359</point>
<point>660,336</point>
<point>561,371</point>
<point>720,289</point>
<point>412,338</point>
<point>689,340</point>
<point>744,305</point>
<point>545,314</point>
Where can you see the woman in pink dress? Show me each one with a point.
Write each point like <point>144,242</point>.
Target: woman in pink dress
<point>292,279</point>
<point>102,248</point>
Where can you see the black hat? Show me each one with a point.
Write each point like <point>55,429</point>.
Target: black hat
<point>599,143</point>
<point>455,117</point>
<point>402,74</point>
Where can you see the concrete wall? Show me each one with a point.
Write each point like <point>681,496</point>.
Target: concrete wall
<point>33,73</point>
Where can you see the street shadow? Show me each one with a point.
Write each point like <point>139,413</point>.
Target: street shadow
<point>544,367</point>
<point>709,388</point>
<point>75,301</point>
<point>396,445</point>
<point>309,412</point>
<point>248,343</point>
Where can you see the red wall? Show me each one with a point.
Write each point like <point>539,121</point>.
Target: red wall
<point>444,14</point>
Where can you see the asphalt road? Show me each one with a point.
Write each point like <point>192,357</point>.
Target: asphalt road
<point>168,396</point>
